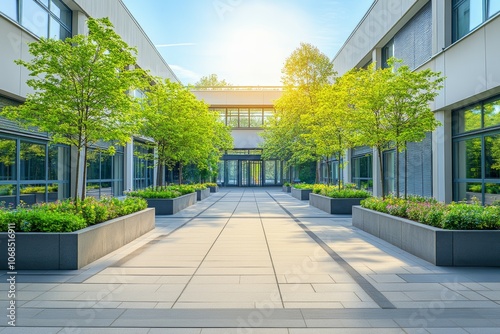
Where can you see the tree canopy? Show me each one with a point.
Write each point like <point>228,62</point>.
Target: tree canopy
<point>211,80</point>
<point>81,90</point>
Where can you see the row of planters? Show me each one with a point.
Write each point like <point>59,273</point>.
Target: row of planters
<point>456,234</point>
<point>168,200</point>
<point>331,199</point>
<point>71,234</point>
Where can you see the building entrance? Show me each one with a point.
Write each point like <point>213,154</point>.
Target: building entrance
<point>249,173</point>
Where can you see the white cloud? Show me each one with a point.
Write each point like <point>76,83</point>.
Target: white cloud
<point>184,74</point>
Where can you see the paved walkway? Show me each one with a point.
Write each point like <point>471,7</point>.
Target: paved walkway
<point>257,261</point>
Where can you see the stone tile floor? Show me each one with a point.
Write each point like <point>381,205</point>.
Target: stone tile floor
<point>256,261</point>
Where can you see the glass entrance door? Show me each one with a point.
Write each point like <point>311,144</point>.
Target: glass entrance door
<point>251,173</point>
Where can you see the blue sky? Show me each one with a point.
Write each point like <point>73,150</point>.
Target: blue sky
<point>245,42</point>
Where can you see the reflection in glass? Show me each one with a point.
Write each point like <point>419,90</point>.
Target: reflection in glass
<point>143,165</point>
<point>32,161</point>
<point>390,172</point>
<point>268,113</point>
<point>61,11</point>
<point>220,174</point>
<point>59,163</point>
<point>492,156</point>
<point>468,158</point>
<point>469,120</point>
<point>493,7</point>
<point>256,117</point>
<point>232,172</point>
<point>362,171</point>
<point>35,18</point>
<point>467,15</point>
<point>35,193</point>
<point>8,195</point>
<point>244,120</point>
<point>270,172</point>
<point>93,189</point>
<point>7,159</point>
<point>492,113</point>
<point>232,117</point>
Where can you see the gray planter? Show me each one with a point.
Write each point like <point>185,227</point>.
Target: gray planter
<point>74,250</point>
<point>202,194</point>
<point>301,194</point>
<point>214,189</point>
<point>438,246</point>
<point>287,189</point>
<point>336,206</point>
<point>170,206</point>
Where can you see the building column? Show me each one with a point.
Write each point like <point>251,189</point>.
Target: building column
<point>128,182</point>
<point>346,176</point>
<point>377,178</point>
<point>441,25</point>
<point>442,158</point>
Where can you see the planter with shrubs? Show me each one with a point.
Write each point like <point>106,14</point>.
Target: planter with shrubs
<point>167,200</point>
<point>214,188</point>
<point>69,235</point>
<point>202,191</point>
<point>287,187</point>
<point>457,234</point>
<point>301,191</point>
<point>333,200</point>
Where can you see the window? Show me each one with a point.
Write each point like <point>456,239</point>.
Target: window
<point>389,172</point>
<point>7,159</point>
<point>232,117</point>
<point>244,117</point>
<point>256,117</point>
<point>43,18</point>
<point>143,165</point>
<point>104,173</point>
<point>362,171</point>
<point>476,155</point>
<point>469,14</point>
<point>9,8</point>
<point>387,53</point>
<point>32,161</point>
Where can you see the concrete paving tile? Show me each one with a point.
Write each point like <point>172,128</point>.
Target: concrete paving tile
<point>302,278</point>
<point>388,278</point>
<point>108,330</point>
<point>230,288</point>
<point>448,304</point>
<point>175,331</point>
<point>493,330</point>
<point>258,279</point>
<point>173,279</point>
<point>210,296</point>
<point>445,295</point>
<point>296,288</point>
<point>214,305</point>
<point>37,286</point>
<point>235,271</point>
<point>345,331</point>
<point>362,305</point>
<point>313,305</point>
<point>54,304</point>
<point>29,330</point>
<point>492,295</point>
<point>164,305</point>
<point>122,279</point>
<point>229,279</point>
<point>446,331</point>
<point>244,330</point>
<point>320,297</point>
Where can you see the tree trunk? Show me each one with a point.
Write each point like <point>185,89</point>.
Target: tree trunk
<point>159,176</point>
<point>77,180</point>
<point>406,172</point>
<point>328,172</point>
<point>318,170</point>
<point>339,170</point>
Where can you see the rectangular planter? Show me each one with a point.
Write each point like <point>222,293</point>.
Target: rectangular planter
<point>74,250</point>
<point>214,189</point>
<point>301,194</point>
<point>170,206</point>
<point>202,194</point>
<point>437,246</point>
<point>287,189</point>
<point>336,206</point>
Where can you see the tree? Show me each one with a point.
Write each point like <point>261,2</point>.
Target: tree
<point>391,107</point>
<point>305,73</point>
<point>409,115</point>
<point>211,81</point>
<point>183,129</point>
<point>81,91</point>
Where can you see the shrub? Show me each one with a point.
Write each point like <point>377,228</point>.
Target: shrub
<point>172,191</point>
<point>335,192</point>
<point>455,216</point>
<point>303,186</point>
<point>6,190</point>
<point>211,184</point>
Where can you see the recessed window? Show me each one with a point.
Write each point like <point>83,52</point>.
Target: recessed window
<point>469,14</point>
<point>9,8</point>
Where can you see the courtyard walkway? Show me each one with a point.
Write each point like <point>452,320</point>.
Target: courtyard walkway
<point>257,261</point>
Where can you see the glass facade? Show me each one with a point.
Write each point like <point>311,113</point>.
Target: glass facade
<point>469,14</point>
<point>389,161</point>
<point>32,171</point>
<point>476,152</point>
<point>44,18</point>
<point>361,171</point>
<point>244,117</point>
<point>143,165</point>
<point>105,173</point>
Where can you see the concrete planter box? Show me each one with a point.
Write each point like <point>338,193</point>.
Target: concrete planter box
<point>170,206</point>
<point>287,189</point>
<point>439,247</point>
<point>202,194</point>
<point>301,194</point>
<point>336,206</point>
<point>74,250</point>
<point>214,189</point>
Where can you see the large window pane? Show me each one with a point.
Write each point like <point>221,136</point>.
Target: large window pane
<point>468,120</point>
<point>268,113</point>
<point>467,15</point>
<point>468,158</point>
<point>32,161</point>
<point>232,117</point>
<point>244,120</point>
<point>61,11</point>
<point>492,156</point>
<point>255,118</point>
<point>493,7</point>
<point>106,167</point>
<point>35,18</point>
<point>492,113</point>
<point>390,172</point>
<point>9,8</point>
<point>7,159</point>
<point>468,191</point>
<point>93,165</point>
<point>270,172</point>
<point>59,163</point>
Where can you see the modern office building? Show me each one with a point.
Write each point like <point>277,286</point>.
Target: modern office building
<point>31,168</point>
<point>458,38</point>
<point>245,110</point>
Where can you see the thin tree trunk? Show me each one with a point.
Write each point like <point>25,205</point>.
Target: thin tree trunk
<point>406,172</point>
<point>328,173</point>
<point>180,173</point>
<point>84,179</point>
<point>318,171</point>
<point>77,180</point>
<point>341,179</point>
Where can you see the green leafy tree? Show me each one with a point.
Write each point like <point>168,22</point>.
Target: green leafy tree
<point>408,111</point>
<point>183,129</point>
<point>211,80</point>
<point>81,91</point>
<point>305,73</point>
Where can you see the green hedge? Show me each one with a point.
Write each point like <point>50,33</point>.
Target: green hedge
<point>173,191</point>
<point>303,186</point>
<point>68,216</point>
<point>454,216</point>
<point>335,192</point>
